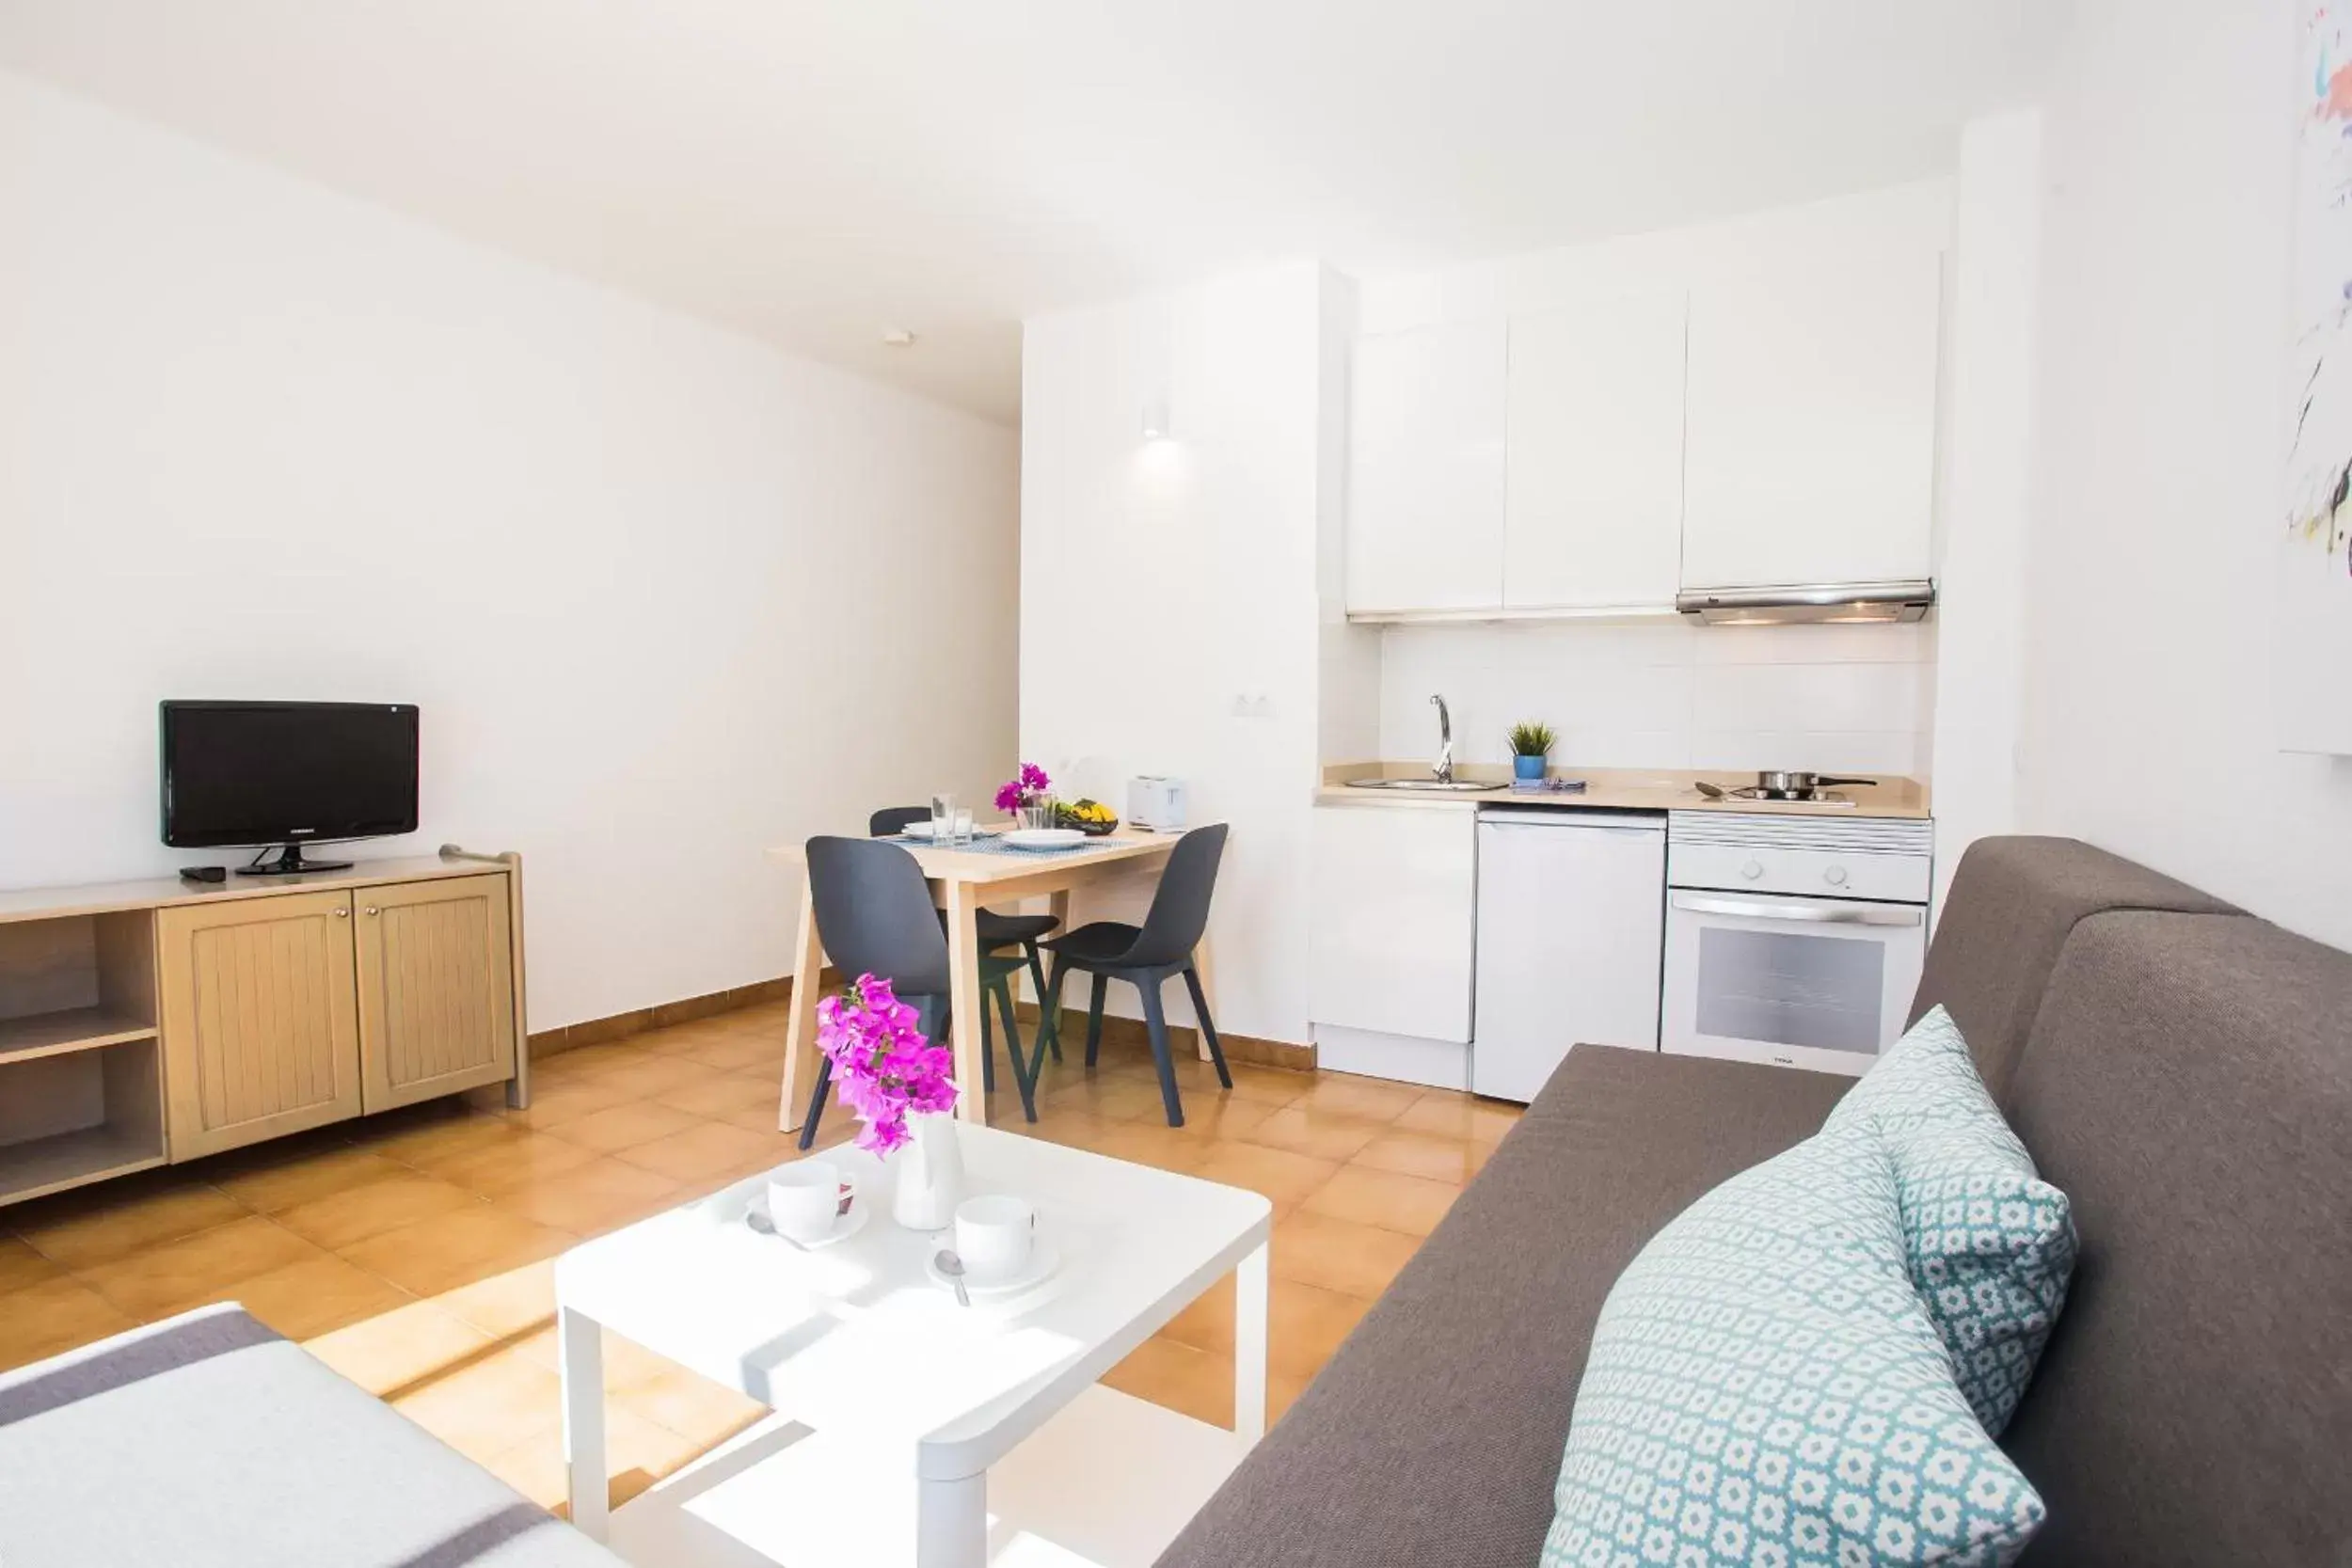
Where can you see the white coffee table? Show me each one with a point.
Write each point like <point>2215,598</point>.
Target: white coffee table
<point>893,1402</point>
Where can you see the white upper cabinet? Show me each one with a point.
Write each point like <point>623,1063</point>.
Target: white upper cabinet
<point>1809,450</point>
<point>1593,514</point>
<point>1425,484</point>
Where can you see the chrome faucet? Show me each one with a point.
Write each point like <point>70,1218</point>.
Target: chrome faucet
<point>1443,766</point>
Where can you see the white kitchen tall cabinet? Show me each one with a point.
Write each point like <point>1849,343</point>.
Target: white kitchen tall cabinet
<point>1593,495</point>
<point>1425,518</point>
<point>1810,447</point>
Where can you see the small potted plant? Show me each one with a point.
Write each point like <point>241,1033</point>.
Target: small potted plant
<point>1531,750</point>
<point>1028,795</point>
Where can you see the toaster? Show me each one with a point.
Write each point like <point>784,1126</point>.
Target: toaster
<point>1156,804</point>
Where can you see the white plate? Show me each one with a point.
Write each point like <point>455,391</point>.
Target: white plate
<point>1044,838</point>
<point>923,830</point>
<point>1044,1259</point>
<point>756,1217</point>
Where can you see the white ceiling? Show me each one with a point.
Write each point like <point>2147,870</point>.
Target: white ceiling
<point>816,171</point>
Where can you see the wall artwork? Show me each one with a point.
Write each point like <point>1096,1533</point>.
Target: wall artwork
<point>2314,622</point>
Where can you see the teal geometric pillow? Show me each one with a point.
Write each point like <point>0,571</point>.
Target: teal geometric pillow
<point>1991,1246</point>
<point>1764,1390</point>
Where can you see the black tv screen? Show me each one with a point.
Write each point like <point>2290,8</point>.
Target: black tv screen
<point>260,773</point>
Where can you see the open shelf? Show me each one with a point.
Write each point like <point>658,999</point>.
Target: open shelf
<point>63,1160</point>
<point>73,1029</point>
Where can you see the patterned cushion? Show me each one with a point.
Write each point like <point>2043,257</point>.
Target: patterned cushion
<point>1765,1391</point>
<point>1991,1246</point>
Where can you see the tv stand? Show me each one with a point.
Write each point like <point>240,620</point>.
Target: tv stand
<point>289,863</point>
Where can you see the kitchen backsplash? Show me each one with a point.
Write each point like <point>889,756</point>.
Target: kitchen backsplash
<point>1668,694</point>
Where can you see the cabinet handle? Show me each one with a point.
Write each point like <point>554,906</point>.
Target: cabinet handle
<point>342,915</point>
<point>370,909</point>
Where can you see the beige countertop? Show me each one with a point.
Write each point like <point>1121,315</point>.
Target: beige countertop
<point>1617,788</point>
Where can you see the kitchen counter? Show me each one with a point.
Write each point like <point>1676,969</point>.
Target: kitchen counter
<point>1617,788</point>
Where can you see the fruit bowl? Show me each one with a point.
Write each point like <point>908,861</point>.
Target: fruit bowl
<point>1090,817</point>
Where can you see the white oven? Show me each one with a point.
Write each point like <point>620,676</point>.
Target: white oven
<point>1792,940</point>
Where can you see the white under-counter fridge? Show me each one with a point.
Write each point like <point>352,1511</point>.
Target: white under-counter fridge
<point>1571,939</point>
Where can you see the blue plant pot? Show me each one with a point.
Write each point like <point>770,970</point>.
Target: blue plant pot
<point>1529,770</point>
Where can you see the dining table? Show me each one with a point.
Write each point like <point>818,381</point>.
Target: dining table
<point>962,880</point>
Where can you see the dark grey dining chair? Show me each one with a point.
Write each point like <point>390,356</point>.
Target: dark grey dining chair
<point>1146,957</point>
<point>996,930</point>
<point>874,916</point>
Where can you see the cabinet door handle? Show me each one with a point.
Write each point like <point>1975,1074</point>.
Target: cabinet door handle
<point>370,909</point>
<point>342,913</point>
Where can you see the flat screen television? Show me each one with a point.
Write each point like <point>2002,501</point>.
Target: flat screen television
<point>281,775</point>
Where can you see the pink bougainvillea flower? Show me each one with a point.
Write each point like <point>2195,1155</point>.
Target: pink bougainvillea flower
<point>882,1066</point>
<point>1009,798</point>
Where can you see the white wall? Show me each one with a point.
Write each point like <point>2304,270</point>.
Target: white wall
<point>665,596</point>
<point>2163,416</point>
<point>1983,510</point>
<point>1662,693</point>
<point>1653,693</point>
<point>1168,590</point>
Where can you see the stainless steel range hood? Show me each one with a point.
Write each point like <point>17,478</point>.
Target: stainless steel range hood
<point>1802,603</point>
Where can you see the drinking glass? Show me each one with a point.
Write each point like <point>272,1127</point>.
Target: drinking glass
<point>963,824</point>
<point>943,819</point>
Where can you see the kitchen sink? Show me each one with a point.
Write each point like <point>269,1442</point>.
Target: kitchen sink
<point>1427,786</point>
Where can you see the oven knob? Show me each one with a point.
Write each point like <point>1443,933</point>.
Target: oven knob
<point>1834,876</point>
<point>1752,870</point>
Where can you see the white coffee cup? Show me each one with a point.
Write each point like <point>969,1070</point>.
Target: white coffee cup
<point>808,1199</point>
<point>994,1235</point>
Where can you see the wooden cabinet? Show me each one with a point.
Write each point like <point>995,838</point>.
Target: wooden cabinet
<point>1593,511</point>
<point>260,1016</point>
<point>1810,444</point>
<point>436,993</point>
<point>1425,480</point>
<point>142,1023</point>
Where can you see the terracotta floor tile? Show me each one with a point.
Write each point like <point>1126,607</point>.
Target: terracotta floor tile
<point>158,1281</point>
<point>586,1060</point>
<point>315,1296</point>
<point>731,1052</point>
<point>1210,1116</point>
<point>592,1199</point>
<point>55,1315</point>
<point>484,1406</point>
<point>692,1406</point>
<point>323,1173</point>
<point>510,1305</point>
<point>649,1072</point>
<point>530,1156</point>
<point>706,1149</point>
<point>1148,1144</point>
<point>1410,1204</point>
<point>1282,1392</point>
<point>1371,1099</point>
<point>1182,1378</point>
<point>1271,1085</point>
<point>98,1225</point>
<point>625,1125</point>
<point>1305,1324</point>
<point>405,1347</point>
<point>1276,1173</point>
<point>1338,1254</point>
<point>20,1265</point>
<point>1324,1134</point>
<point>1461,1116</point>
<point>423,1134</point>
<point>1115,1096</point>
<point>636,1453</point>
<point>554,1104</point>
<point>1424,1154</point>
<point>373,1207</point>
<point>720,1093</point>
<point>457,1248</point>
<point>1208,1323</point>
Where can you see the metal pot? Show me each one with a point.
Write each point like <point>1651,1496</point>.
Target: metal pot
<point>1801,784</point>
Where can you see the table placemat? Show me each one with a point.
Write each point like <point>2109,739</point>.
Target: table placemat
<point>998,847</point>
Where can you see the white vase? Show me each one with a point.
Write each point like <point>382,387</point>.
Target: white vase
<point>930,1173</point>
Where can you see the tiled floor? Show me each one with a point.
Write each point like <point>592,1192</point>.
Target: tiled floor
<point>411,1251</point>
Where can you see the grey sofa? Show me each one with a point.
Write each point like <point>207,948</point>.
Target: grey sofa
<point>207,1441</point>
<point>2181,1069</point>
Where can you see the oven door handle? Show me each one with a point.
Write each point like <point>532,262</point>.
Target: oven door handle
<point>1822,915</point>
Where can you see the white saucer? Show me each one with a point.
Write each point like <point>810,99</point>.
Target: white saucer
<point>1045,1257</point>
<point>756,1217</point>
<point>1044,838</point>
